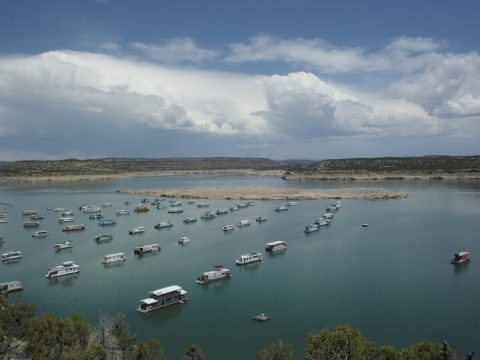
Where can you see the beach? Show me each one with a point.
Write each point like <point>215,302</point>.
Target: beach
<point>266,193</point>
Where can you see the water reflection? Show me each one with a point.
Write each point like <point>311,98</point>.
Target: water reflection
<point>63,280</point>
<point>460,268</point>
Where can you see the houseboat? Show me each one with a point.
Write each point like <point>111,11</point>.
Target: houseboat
<point>107,222</point>
<point>261,219</point>
<point>91,209</point>
<point>175,203</point>
<point>291,203</point>
<point>145,249</point>
<point>31,224</point>
<point>29,212</point>
<point>96,216</point>
<point>40,234</point>
<point>228,228</point>
<point>221,212</point>
<point>328,215</point>
<point>322,222</point>
<point>77,227</point>
<point>249,258</point>
<point>208,215</point>
<point>311,228</point>
<point>62,246</point>
<point>113,258</point>
<point>261,317</point>
<point>219,273</point>
<point>4,221</point>
<point>67,213</point>
<point>190,220</point>
<point>66,219</point>
<point>141,208</point>
<point>137,230</point>
<point>281,208</point>
<point>233,208</point>
<point>461,257</point>
<point>184,240</point>
<point>66,268</point>
<point>163,297</point>
<point>163,224</point>
<point>59,209</point>
<point>244,223</point>
<point>12,255</point>
<point>11,286</point>
<point>36,217</point>
<point>175,211</point>
<point>106,204</point>
<point>123,212</point>
<point>103,237</point>
<point>276,246</point>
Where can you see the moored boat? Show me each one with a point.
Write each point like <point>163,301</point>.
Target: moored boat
<point>203,205</point>
<point>77,227</point>
<point>249,258</point>
<point>29,212</point>
<point>145,249</point>
<point>107,222</point>
<point>276,246</point>
<point>328,215</point>
<point>291,203</point>
<point>190,219</point>
<point>311,228</point>
<point>31,224</point>
<point>261,219</point>
<point>67,213</point>
<point>460,257</point>
<point>113,258</point>
<point>66,268</point>
<point>36,217</point>
<point>96,216</point>
<point>40,234</point>
<point>281,208</point>
<point>322,222</point>
<point>175,203</point>
<point>66,219</point>
<point>175,210</point>
<point>163,224</point>
<point>103,237</point>
<point>11,286</point>
<point>137,230</point>
<point>163,297</point>
<point>219,273</point>
<point>244,223</point>
<point>123,212</point>
<point>261,317</point>
<point>12,255</point>
<point>141,208</point>
<point>62,246</point>
<point>221,211</point>
<point>184,240</point>
<point>208,215</point>
<point>228,228</point>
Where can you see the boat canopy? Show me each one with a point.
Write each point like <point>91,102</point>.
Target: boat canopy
<point>149,301</point>
<point>166,290</point>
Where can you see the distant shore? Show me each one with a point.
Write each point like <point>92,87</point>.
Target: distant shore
<point>263,193</point>
<point>80,178</point>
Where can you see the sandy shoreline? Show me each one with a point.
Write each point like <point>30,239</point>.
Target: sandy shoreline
<point>262,193</point>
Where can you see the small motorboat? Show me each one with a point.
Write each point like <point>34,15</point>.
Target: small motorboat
<point>261,317</point>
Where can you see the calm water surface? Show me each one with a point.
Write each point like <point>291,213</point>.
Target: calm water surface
<point>392,280</point>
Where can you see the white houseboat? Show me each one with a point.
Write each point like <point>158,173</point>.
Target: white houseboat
<point>244,223</point>
<point>461,257</point>
<point>208,215</point>
<point>137,230</point>
<point>66,219</point>
<point>311,228</point>
<point>249,258</point>
<point>62,246</point>
<point>190,220</point>
<point>281,208</point>
<point>40,234</point>
<point>164,224</point>
<point>291,203</point>
<point>175,211</point>
<point>221,211</point>
<point>175,203</point>
<point>31,224</point>
<point>276,246</point>
<point>141,208</point>
<point>29,212</point>
<point>10,286</point>
<point>322,222</point>
<point>12,255</point>
<point>261,219</point>
<point>228,228</point>
<point>66,268</point>
<point>219,273</point>
<point>113,258</point>
<point>103,237</point>
<point>123,212</point>
<point>163,297</point>
<point>184,240</point>
<point>107,222</point>
<point>145,249</point>
<point>67,213</point>
<point>77,227</point>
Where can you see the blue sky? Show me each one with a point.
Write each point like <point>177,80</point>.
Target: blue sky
<point>278,79</point>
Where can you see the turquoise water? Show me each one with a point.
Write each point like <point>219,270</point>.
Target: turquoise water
<point>392,280</point>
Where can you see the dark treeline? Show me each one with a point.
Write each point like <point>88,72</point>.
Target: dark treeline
<point>47,337</point>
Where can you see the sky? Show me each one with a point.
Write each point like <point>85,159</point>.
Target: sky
<point>304,79</point>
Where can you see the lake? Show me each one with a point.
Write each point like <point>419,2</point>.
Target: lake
<point>393,280</point>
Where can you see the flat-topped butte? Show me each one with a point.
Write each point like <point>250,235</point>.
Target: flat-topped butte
<point>263,193</point>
